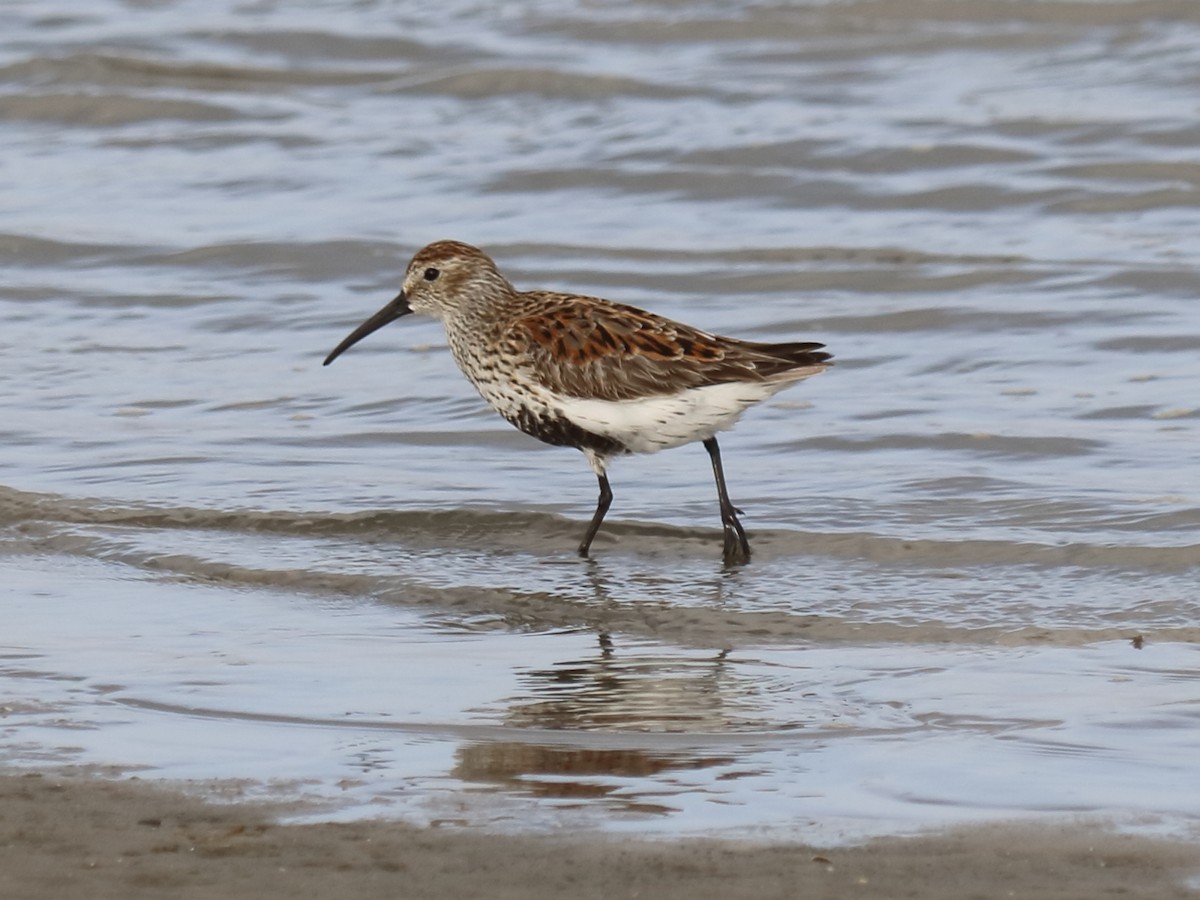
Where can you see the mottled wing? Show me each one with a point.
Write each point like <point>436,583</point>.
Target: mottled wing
<point>594,349</point>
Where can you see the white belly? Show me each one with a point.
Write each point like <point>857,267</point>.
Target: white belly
<point>660,423</point>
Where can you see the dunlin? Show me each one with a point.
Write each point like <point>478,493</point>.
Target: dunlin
<point>606,378</point>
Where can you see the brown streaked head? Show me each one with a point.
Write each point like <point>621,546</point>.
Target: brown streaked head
<point>444,280</point>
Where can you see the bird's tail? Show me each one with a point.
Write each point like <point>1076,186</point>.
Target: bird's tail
<point>794,361</point>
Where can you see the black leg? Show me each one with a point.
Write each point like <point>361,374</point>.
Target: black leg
<point>737,548</point>
<point>601,508</point>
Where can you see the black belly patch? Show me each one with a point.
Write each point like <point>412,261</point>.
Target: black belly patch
<point>562,432</point>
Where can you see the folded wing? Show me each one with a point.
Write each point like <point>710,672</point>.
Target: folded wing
<point>594,349</point>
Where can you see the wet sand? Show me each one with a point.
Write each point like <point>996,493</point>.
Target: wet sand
<point>67,837</point>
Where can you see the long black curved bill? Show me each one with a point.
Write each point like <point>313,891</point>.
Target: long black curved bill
<point>390,313</point>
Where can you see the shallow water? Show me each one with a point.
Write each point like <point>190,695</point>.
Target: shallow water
<point>221,560</point>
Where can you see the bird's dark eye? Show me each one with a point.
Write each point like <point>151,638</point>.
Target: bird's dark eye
<point>431,274</point>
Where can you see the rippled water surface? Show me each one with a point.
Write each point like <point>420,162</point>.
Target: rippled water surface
<point>975,586</point>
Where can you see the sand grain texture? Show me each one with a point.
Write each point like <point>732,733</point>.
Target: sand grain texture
<point>74,837</point>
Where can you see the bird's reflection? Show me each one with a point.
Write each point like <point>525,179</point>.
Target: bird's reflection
<point>616,601</point>
<point>645,691</point>
<point>631,694</point>
<point>644,688</point>
<point>575,773</point>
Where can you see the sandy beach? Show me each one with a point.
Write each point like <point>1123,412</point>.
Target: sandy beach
<point>68,837</point>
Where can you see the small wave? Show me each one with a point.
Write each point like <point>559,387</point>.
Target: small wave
<point>22,506</point>
<point>505,82</point>
<point>536,532</point>
<point>518,570</point>
<point>101,69</point>
<point>110,109</point>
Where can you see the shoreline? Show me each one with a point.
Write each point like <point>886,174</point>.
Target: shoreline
<point>68,836</point>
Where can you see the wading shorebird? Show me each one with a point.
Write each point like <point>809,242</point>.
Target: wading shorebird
<point>603,377</point>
